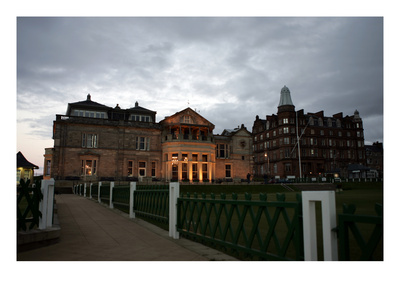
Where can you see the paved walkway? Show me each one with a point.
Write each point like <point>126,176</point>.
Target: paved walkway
<point>92,232</point>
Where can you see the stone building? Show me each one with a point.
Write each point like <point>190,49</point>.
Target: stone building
<point>95,142</point>
<point>296,144</point>
<point>234,154</point>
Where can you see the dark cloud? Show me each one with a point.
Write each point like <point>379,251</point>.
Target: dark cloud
<point>231,69</point>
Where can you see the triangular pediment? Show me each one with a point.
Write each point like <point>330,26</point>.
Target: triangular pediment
<point>187,117</point>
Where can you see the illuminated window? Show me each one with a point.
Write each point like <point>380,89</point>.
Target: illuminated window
<point>204,171</point>
<point>130,168</point>
<point>88,167</point>
<point>194,172</point>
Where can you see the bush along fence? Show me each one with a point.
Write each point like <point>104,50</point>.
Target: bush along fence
<point>35,205</point>
<point>256,229</point>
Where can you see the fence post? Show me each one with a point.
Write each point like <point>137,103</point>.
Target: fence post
<point>46,205</point>
<point>84,190</point>
<point>90,190</point>
<point>328,210</point>
<point>98,193</point>
<point>111,194</point>
<point>173,213</point>
<point>132,189</point>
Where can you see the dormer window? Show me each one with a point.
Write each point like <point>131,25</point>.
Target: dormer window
<point>89,114</point>
<point>141,118</point>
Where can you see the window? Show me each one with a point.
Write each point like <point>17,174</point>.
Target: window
<point>194,172</point>
<point>140,118</point>
<point>228,171</point>
<point>204,171</point>
<point>142,168</point>
<point>142,143</point>
<point>130,168</point>
<point>187,119</point>
<point>89,140</point>
<point>48,167</point>
<point>174,171</point>
<point>285,130</point>
<point>285,121</point>
<point>194,157</point>
<point>88,167</point>
<point>153,169</point>
<point>205,157</point>
<point>222,151</point>
<point>184,171</point>
<point>89,114</point>
<point>287,152</point>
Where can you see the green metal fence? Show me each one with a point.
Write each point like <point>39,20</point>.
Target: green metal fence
<point>28,198</point>
<point>249,229</point>
<point>360,236</point>
<point>120,197</point>
<point>95,191</point>
<point>153,203</point>
<point>105,193</point>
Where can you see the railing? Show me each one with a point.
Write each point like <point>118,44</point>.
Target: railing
<point>248,228</point>
<point>28,199</point>
<point>152,204</point>
<point>120,198</point>
<point>35,204</point>
<point>357,246</point>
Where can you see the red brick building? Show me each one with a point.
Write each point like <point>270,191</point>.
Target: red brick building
<point>296,144</point>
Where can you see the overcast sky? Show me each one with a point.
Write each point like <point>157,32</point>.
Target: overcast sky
<point>228,69</point>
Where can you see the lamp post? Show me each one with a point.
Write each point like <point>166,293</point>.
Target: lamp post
<point>267,157</point>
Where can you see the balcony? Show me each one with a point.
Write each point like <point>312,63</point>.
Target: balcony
<point>188,138</point>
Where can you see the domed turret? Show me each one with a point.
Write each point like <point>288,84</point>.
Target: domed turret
<point>285,103</point>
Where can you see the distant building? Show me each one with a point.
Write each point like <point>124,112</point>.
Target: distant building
<point>297,144</point>
<point>234,154</point>
<point>96,142</point>
<point>25,169</point>
<point>374,155</point>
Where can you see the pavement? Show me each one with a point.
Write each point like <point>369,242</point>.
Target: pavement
<point>90,231</point>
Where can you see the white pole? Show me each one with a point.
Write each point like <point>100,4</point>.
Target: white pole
<point>111,194</point>
<point>98,193</point>
<point>328,210</point>
<point>132,189</point>
<point>46,205</point>
<point>173,215</point>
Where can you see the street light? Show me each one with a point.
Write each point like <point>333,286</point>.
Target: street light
<point>267,157</point>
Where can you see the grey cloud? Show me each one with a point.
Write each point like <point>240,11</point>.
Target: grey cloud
<point>232,65</point>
